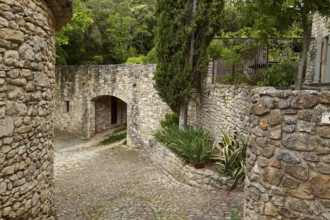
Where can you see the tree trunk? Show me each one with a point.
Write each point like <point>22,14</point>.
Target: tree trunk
<point>302,60</point>
<point>183,116</point>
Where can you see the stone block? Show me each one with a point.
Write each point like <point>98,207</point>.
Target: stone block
<point>319,186</point>
<point>287,156</point>
<point>323,168</point>
<point>6,127</point>
<point>304,100</point>
<point>275,117</point>
<point>261,107</point>
<point>304,126</point>
<point>297,205</point>
<point>270,209</point>
<point>273,175</point>
<point>299,172</point>
<point>12,35</point>
<point>323,131</point>
<point>275,133</point>
<point>300,142</point>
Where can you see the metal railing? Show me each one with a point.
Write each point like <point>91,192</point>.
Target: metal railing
<point>254,55</point>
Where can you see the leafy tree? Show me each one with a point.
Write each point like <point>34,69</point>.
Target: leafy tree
<point>72,33</point>
<point>281,15</point>
<point>184,31</point>
<point>107,31</point>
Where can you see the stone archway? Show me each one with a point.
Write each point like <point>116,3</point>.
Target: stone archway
<point>109,111</point>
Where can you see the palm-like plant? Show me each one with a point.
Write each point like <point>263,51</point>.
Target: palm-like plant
<point>230,157</point>
<point>192,143</point>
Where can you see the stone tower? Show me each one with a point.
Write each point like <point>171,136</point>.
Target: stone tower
<point>27,68</point>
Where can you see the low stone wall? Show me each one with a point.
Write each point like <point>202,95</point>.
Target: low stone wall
<point>175,166</point>
<point>288,158</point>
<point>222,108</point>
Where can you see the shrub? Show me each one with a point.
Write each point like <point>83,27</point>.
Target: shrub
<point>171,119</point>
<point>135,60</point>
<point>279,75</point>
<point>192,143</point>
<point>230,157</point>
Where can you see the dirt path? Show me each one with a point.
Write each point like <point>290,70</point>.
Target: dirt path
<point>115,182</point>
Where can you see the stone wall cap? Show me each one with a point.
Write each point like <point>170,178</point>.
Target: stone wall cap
<point>271,91</point>
<point>62,10</point>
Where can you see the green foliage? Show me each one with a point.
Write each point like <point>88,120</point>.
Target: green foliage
<point>278,75</point>
<point>177,28</point>
<point>191,143</point>
<point>113,138</point>
<point>151,57</point>
<point>230,157</point>
<point>234,215</point>
<point>106,32</point>
<point>72,34</point>
<point>238,79</point>
<point>170,120</point>
<point>135,60</point>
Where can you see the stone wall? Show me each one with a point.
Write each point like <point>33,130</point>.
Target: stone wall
<point>186,173</point>
<point>81,86</point>
<point>288,163</point>
<point>222,108</point>
<point>27,63</point>
<point>320,29</point>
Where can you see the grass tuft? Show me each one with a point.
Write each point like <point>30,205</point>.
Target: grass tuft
<point>113,138</point>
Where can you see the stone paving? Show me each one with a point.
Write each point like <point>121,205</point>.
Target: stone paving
<point>115,182</point>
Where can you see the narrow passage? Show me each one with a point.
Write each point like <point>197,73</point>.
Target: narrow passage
<point>114,182</point>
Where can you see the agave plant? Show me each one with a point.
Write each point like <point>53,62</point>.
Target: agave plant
<point>191,143</point>
<point>229,156</point>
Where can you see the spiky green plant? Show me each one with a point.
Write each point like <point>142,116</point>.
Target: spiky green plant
<point>230,157</point>
<point>192,143</point>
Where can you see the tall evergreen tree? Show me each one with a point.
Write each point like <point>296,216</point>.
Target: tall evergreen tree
<point>184,31</point>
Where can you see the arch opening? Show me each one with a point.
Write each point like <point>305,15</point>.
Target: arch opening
<point>110,112</point>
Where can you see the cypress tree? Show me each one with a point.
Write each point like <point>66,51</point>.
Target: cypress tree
<point>184,31</point>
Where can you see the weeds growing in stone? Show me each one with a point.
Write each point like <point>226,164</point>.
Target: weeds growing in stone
<point>113,138</point>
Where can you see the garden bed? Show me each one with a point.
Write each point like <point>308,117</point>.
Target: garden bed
<point>176,167</point>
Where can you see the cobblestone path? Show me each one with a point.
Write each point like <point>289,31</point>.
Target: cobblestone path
<point>115,182</point>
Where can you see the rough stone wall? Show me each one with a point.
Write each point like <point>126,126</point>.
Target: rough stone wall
<point>133,84</point>
<point>27,64</point>
<point>222,108</point>
<point>102,113</point>
<point>177,168</point>
<point>320,29</point>
<point>288,163</point>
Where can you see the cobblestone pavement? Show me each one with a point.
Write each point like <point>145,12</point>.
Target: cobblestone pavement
<point>115,182</point>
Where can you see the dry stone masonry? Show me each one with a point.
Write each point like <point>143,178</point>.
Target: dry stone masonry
<point>83,100</point>
<point>221,108</point>
<point>288,166</point>
<point>27,64</point>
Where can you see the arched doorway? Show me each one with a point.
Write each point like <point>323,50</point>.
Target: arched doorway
<point>110,112</point>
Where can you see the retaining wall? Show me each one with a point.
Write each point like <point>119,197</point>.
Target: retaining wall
<point>288,159</point>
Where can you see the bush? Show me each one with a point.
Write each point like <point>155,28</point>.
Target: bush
<point>171,119</point>
<point>135,60</point>
<point>192,144</point>
<point>279,75</point>
<point>230,157</point>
